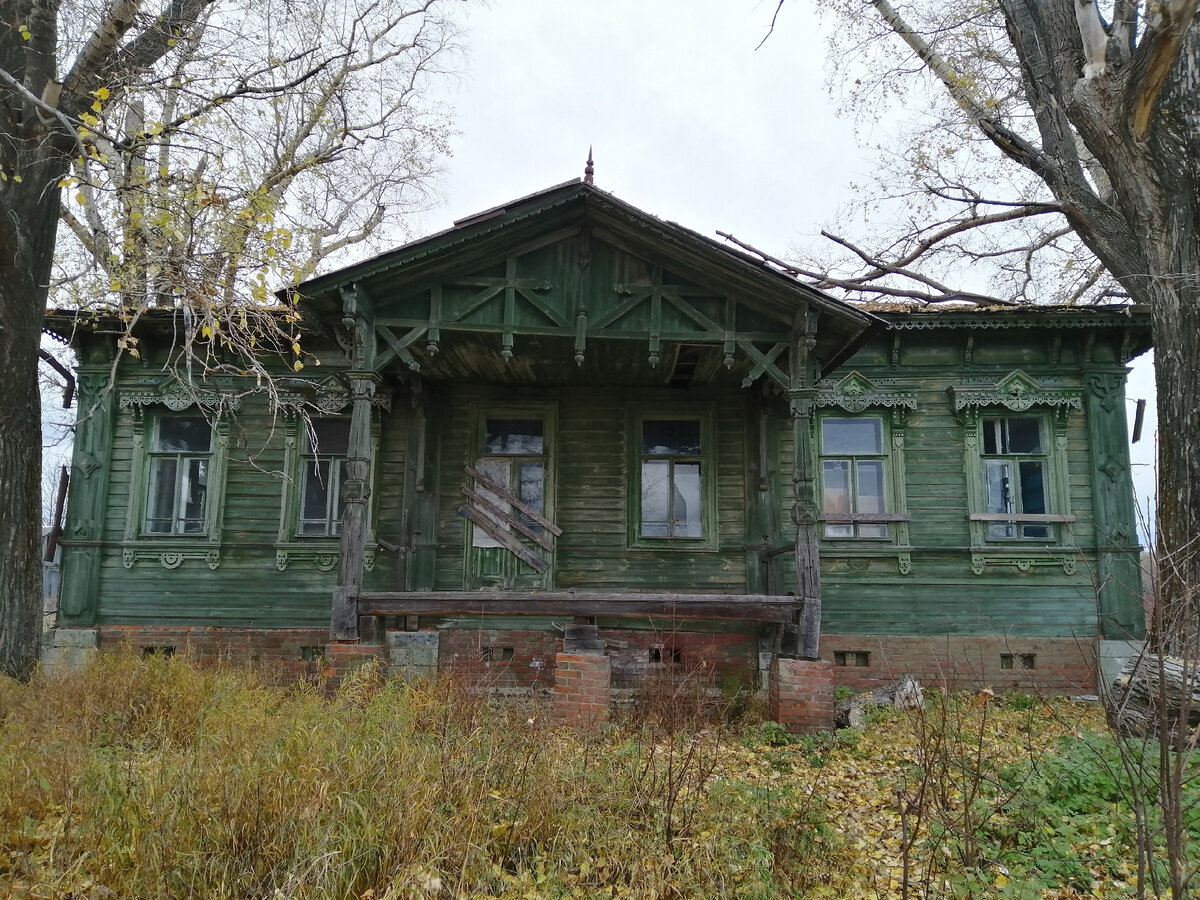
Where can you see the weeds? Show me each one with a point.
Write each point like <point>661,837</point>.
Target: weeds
<point>149,778</point>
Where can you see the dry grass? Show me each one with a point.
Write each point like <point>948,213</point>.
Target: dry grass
<point>149,778</point>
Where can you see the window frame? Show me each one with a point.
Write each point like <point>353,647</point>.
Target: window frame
<point>320,550</point>
<point>172,549</point>
<point>546,411</point>
<point>1055,480</point>
<point>894,519</point>
<point>309,455</point>
<point>154,455</point>
<point>705,414</point>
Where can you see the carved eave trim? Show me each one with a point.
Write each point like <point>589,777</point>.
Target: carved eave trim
<point>176,396</point>
<point>856,393</point>
<point>329,396</point>
<point>1016,391</point>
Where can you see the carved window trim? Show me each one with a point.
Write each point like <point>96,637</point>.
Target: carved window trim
<point>172,550</point>
<point>857,395</point>
<point>1018,394</point>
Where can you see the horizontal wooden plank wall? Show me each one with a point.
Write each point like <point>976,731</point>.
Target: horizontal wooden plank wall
<point>246,589</point>
<point>863,585</point>
<point>593,489</point>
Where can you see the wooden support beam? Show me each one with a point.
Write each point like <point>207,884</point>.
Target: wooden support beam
<point>356,489</point>
<point>694,607</point>
<point>764,363</point>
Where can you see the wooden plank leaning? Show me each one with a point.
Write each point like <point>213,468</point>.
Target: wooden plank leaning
<point>507,497</point>
<point>504,538</point>
<point>494,510</point>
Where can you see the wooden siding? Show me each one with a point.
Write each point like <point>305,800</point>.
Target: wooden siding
<point>246,589</point>
<point>593,489</point>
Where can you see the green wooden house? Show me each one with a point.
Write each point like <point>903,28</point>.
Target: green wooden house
<point>565,419</point>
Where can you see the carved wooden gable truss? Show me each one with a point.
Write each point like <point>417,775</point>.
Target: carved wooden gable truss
<point>586,288</point>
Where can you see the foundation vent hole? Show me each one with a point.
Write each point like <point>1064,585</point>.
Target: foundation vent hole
<point>495,654</point>
<point>672,655</point>
<point>1018,660</point>
<point>854,658</point>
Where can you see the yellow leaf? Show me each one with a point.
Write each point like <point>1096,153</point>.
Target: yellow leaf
<point>102,93</point>
<point>297,365</point>
<point>18,179</point>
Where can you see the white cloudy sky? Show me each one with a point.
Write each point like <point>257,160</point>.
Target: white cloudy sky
<point>688,121</point>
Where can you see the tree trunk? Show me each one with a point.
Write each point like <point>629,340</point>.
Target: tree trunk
<point>33,160</point>
<point>28,219</point>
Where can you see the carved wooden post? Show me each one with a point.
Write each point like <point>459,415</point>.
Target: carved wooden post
<point>804,508</point>
<point>356,490</point>
<point>90,478</point>
<point>1118,568</point>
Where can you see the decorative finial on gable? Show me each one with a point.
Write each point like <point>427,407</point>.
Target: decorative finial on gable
<point>589,170</point>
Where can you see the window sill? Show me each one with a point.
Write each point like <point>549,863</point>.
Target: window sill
<point>1020,518</point>
<point>673,545</point>
<point>321,552</point>
<point>171,550</point>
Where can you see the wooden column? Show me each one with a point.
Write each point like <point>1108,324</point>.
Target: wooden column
<point>90,477</point>
<point>356,490</point>
<point>1118,571</point>
<point>804,508</point>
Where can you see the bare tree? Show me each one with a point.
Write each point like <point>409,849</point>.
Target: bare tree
<point>1056,159</point>
<point>197,153</point>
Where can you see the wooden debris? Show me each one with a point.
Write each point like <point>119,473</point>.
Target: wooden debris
<point>1154,691</point>
<point>905,694</point>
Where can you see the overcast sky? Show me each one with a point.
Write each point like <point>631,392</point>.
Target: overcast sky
<point>687,120</point>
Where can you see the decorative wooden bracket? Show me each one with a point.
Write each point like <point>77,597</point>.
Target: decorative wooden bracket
<point>764,364</point>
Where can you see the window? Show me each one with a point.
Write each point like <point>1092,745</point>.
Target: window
<point>514,458</point>
<point>179,469</point>
<point>671,498</point>
<point>853,477</point>
<point>1015,469</point>
<point>313,492</point>
<point>326,442</point>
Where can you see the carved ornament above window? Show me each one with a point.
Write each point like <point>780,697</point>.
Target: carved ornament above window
<point>856,393</point>
<point>1016,391</point>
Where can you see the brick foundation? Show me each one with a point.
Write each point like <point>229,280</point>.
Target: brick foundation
<point>581,689</point>
<point>800,696</point>
<point>281,655</point>
<point>957,662</point>
<point>499,658</point>
<point>343,657</point>
<point>525,659</point>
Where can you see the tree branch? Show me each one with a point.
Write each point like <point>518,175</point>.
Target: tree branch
<point>1153,61</point>
<point>115,23</point>
<point>1009,142</point>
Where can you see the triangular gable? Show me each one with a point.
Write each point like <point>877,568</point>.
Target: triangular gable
<point>539,264</point>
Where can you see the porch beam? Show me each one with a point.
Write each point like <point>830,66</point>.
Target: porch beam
<point>716,607</point>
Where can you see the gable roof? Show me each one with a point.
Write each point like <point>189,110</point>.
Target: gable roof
<point>576,204</point>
